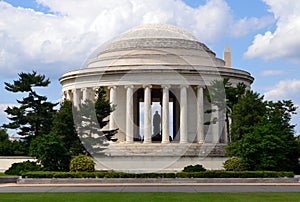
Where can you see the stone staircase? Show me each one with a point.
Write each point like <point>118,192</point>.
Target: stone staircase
<point>164,150</point>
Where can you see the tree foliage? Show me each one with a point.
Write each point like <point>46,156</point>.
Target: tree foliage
<point>224,95</point>
<point>262,134</point>
<point>91,119</point>
<point>11,148</point>
<point>34,114</point>
<point>50,152</point>
<point>64,128</point>
<point>248,111</point>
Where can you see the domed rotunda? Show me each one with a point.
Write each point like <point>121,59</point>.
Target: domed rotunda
<point>156,76</point>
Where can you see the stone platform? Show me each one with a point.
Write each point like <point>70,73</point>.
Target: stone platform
<point>156,157</point>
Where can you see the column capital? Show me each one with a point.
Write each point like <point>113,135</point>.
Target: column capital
<point>184,86</point>
<point>199,86</point>
<point>129,86</point>
<point>74,90</point>
<point>166,86</point>
<point>83,89</point>
<point>112,87</point>
<point>147,86</point>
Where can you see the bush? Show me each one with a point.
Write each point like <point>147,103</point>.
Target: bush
<point>82,163</point>
<point>233,164</point>
<point>18,168</point>
<point>195,168</point>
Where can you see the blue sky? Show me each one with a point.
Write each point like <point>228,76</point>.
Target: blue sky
<point>57,36</point>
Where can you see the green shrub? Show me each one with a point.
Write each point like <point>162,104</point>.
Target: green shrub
<point>82,163</point>
<point>233,164</point>
<point>18,168</point>
<point>195,168</point>
<point>234,174</point>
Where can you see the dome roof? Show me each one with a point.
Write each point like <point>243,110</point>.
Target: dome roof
<point>155,45</point>
<point>151,36</point>
<point>156,31</point>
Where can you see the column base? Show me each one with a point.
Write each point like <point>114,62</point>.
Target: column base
<point>184,142</point>
<point>129,142</point>
<point>147,142</point>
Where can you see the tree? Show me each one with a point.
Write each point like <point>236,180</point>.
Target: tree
<point>11,148</point>
<point>248,111</point>
<point>64,127</point>
<point>91,119</point>
<point>222,94</point>
<point>262,134</point>
<point>50,152</point>
<point>35,114</point>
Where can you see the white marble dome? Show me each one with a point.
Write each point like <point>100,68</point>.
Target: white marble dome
<point>157,31</point>
<point>160,46</point>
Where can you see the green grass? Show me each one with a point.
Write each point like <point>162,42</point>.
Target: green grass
<point>153,197</point>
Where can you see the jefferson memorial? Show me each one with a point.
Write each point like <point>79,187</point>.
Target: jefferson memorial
<point>157,76</point>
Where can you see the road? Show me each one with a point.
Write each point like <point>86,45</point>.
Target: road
<point>8,188</point>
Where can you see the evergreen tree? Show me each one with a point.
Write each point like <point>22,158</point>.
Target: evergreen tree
<point>222,94</point>
<point>35,114</point>
<point>64,127</point>
<point>50,152</point>
<point>91,119</point>
<point>248,111</point>
<point>262,134</point>
<point>11,148</point>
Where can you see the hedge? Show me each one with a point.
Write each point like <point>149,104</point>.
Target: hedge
<point>205,174</point>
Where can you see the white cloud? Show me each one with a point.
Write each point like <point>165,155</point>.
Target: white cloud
<point>285,40</point>
<point>272,72</point>
<point>63,40</point>
<point>4,107</point>
<point>286,89</point>
<point>3,115</point>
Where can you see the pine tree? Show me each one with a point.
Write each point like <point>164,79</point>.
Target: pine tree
<point>34,114</point>
<point>64,127</point>
<point>262,134</point>
<point>92,118</point>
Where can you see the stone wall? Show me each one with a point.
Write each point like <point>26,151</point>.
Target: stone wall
<point>7,161</point>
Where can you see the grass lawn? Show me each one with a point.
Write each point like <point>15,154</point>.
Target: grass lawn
<point>144,197</point>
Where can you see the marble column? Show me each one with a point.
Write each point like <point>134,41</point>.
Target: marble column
<point>183,114</point>
<point>165,114</point>
<point>200,115</point>
<point>93,94</point>
<point>147,114</point>
<point>76,98</point>
<point>85,94</point>
<point>112,99</point>
<point>64,96</point>
<point>215,125</point>
<point>129,114</point>
<point>68,95</point>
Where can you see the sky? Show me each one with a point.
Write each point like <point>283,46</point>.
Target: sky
<point>54,36</point>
